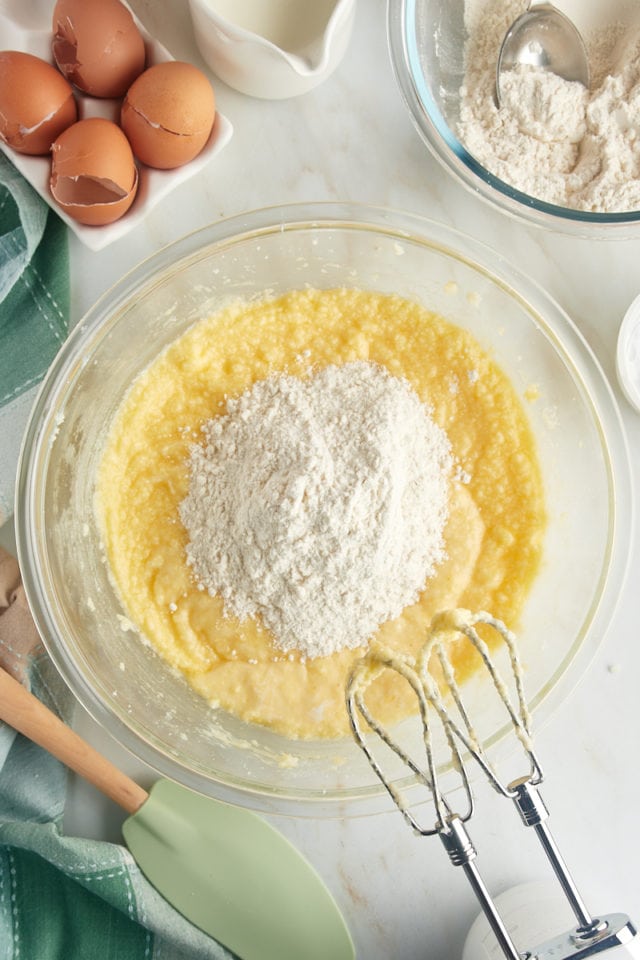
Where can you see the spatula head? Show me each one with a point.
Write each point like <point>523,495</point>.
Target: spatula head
<point>231,874</point>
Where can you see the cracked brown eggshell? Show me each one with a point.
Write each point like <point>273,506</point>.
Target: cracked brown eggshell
<point>168,114</point>
<point>93,173</point>
<point>36,103</point>
<point>97,46</point>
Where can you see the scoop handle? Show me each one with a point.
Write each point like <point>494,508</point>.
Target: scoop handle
<point>26,714</point>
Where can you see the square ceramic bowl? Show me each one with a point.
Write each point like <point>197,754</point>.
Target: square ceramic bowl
<point>27,27</point>
<point>148,707</point>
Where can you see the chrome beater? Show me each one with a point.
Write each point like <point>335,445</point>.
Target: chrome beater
<point>442,703</point>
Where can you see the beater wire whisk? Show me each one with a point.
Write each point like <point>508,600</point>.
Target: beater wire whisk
<point>449,825</point>
<point>443,701</point>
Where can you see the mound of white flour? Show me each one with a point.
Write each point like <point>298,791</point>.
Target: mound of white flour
<point>319,505</point>
<point>553,139</point>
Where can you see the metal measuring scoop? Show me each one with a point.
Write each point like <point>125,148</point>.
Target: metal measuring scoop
<point>543,37</point>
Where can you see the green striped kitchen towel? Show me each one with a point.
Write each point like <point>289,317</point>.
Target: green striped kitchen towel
<point>34,310</point>
<point>61,897</point>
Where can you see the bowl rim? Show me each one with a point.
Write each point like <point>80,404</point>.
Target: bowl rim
<point>435,132</point>
<point>395,224</point>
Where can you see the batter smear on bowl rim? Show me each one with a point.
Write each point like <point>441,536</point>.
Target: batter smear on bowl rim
<point>295,478</point>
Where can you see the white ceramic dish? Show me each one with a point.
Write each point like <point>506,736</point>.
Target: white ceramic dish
<point>628,355</point>
<point>27,28</point>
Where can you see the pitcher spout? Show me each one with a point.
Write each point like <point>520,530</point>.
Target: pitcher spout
<point>274,49</point>
<point>314,54</point>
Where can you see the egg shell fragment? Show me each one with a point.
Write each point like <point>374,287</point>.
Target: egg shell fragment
<point>168,114</point>
<point>93,173</point>
<point>97,46</point>
<point>36,103</point>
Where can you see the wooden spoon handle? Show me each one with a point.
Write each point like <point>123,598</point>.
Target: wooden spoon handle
<point>26,714</point>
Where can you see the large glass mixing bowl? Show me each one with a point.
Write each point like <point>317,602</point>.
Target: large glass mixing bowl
<point>127,688</point>
<point>427,44</point>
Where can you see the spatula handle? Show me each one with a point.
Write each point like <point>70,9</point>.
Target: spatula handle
<point>26,714</point>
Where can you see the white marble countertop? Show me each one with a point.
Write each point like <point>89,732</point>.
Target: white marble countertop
<point>352,139</point>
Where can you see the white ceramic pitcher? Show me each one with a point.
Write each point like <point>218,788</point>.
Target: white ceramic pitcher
<point>272,48</point>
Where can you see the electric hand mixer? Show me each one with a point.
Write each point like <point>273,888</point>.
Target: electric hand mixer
<point>441,702</point>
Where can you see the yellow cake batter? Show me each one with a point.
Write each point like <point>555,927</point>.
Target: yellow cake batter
<point>496,514</point>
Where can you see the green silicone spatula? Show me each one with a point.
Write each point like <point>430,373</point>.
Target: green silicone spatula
<point>226,869</point>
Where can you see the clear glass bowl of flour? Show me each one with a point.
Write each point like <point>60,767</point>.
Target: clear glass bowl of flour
<point>444,57</point>
<point>127,688</point>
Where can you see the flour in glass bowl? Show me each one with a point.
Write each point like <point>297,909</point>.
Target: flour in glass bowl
<point>319,505</point>
<point>553,139</point>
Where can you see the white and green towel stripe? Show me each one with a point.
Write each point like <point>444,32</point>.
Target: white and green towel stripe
<point>34,310</point>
